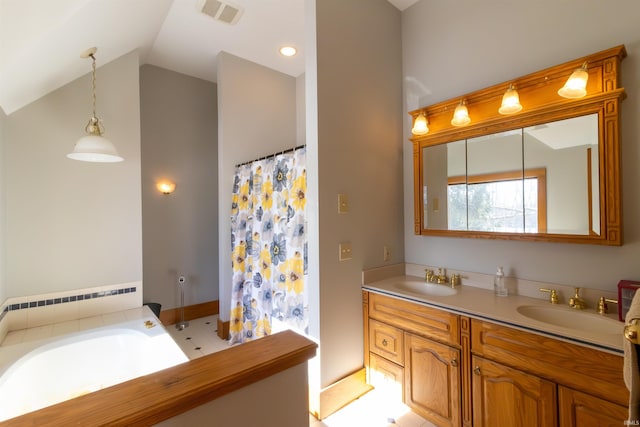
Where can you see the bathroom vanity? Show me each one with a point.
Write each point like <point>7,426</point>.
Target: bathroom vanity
<point>456,364</point>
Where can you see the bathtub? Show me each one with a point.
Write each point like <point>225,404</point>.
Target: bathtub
<point>45,372</point>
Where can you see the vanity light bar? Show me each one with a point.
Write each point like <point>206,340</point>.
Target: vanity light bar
<point>541,89</point>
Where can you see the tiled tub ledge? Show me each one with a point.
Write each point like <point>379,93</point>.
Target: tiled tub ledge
<point>190,390</point>
<point>46,309</point>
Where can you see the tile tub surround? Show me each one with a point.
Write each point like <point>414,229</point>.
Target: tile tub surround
<point>46,309</point>
<point>124,345</point>
<point>475,298</point>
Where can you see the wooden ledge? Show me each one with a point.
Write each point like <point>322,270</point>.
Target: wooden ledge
<point>153,398</point>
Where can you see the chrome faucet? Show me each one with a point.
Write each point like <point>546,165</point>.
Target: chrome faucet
<point>577,301</point>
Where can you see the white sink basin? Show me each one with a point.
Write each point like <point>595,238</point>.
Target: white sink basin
<point>425,288</point>
<point>572,319</point>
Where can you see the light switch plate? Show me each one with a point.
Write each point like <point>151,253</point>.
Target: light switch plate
<point>343,204</point>
<point>344,249</point>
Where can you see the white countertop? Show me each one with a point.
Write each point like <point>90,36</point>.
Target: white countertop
<point>485,305</point>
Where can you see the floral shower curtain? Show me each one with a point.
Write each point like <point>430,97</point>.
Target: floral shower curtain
<point>269,246</point>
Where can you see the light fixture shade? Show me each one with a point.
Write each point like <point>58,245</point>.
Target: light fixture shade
<point>576,85</point>
<point>95,148</point>
<point>461,115</point>
<point>166,187</point>
<point>420,125</point>
<point>510,102</point>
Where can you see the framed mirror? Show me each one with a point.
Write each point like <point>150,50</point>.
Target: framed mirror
<point>550,172</point>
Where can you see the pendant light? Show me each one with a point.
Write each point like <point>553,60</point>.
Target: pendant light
<point>420,125</point>
<point>94,147</point>
<point>576,85</point>
<point>461,115</point>
<point>510,101</point>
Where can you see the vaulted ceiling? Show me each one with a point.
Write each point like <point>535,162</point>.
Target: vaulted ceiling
<point>41,40</point>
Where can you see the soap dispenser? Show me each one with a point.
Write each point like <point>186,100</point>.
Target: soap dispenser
<point>498,284</point>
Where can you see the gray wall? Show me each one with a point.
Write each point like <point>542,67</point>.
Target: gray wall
<point>256,117</point>
<point>71,224</point>
<point>359,153</point>
<point>3,181</point>
<point>179,133</point>
<point>454,47</point>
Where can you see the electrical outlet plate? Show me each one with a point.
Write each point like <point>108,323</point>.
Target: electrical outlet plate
<point>386,254</point>
<point>344,249</point>
<point>343,204</point>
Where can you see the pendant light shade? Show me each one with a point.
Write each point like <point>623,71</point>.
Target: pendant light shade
<point>420,125</point>
<point>510,101</point>
<point>576,85</point>
<point>94,147</point>
<point>461,115</point>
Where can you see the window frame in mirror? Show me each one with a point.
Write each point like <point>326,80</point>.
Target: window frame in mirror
<point>542,104</point>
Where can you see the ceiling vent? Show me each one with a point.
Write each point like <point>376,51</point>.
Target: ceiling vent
<point>222,11</point>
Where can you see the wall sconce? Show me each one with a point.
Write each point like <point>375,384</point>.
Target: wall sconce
<point>94,147</point>
<point>166,187</point>
<point>576,86</point>
<point>420,125</point>
<point>510,101</point>
<point>461,115</point>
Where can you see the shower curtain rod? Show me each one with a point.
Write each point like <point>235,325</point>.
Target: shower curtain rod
<point>272,155</point>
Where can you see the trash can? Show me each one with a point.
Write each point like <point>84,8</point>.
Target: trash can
<point>154,307</point>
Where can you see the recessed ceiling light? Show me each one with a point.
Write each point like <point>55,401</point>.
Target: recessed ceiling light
<point>288,50</point>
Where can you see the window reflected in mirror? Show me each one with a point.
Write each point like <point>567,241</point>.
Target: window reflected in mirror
<point>539,179</point>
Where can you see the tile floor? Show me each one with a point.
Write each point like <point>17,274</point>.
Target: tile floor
<point>371,410</point>
<point>199,338</point>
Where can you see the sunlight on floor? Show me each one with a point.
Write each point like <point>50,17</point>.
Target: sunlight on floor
<point>374,409</point>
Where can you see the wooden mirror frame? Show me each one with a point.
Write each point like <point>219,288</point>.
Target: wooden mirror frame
<point>541,104</point>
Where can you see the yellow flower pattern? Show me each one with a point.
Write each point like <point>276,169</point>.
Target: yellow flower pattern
<point>268,238</point>
<point>298,194</point>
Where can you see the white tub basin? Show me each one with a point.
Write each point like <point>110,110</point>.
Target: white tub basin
<point>425,288</point>
<point>572,319</point>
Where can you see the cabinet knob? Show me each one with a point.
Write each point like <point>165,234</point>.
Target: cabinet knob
<point>454,362</point>
<point>385,342</point>
<point>476,370</point>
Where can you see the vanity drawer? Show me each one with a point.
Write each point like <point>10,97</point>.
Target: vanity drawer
<point>386,341</point>
<point>417,318</point>
<point>386,375</point>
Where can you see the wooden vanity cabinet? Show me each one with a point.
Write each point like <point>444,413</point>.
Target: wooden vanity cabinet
<point>457,371</point>
<point>546,375</point>
<point>416,349</point>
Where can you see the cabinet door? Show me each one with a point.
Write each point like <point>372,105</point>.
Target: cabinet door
<point>503,396</point>
<point>578,409</point>
<point>432,380</point>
